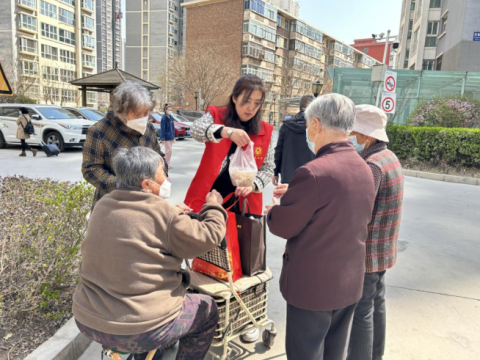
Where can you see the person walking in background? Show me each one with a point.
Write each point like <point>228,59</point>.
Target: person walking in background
<point>292,150</point>
<point>324,214</point>
<point>167,131</point>
<point>125,126</point>
<point>22,122</point>
<point>367,341</point>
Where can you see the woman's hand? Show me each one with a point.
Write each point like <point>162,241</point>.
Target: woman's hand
<point>186,210</point>
<point>243,191</point>
<point>239,137</point>
<point>214,197</point>
<point>280,190</point>
<point>270,207</point>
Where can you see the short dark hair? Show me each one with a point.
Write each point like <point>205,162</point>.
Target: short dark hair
<point>24,110</point>
<point>305,101</point>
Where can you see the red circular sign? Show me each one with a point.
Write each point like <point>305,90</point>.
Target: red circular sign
<point>390,83</point>
<point>388,105</point>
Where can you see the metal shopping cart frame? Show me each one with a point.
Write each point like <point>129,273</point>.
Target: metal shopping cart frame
<point>244,319</point>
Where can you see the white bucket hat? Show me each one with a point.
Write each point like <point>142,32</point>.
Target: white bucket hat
<point>371,121</point>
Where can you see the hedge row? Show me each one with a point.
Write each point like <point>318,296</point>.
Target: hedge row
<point>455,146</point>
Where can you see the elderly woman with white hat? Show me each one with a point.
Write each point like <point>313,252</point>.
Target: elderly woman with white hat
<point>369,136</point>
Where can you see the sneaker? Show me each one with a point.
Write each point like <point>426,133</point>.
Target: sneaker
<point>251,336</point>
<point>34,152</point>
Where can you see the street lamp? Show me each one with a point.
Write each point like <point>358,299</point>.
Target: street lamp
<point>195,94</point>
<point>274,97</point>
<point>317,88</point>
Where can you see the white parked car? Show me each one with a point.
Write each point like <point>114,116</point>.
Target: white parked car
<point>53,124</point>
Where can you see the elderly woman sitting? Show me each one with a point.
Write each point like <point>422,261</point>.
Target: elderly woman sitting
<point>131,295</point>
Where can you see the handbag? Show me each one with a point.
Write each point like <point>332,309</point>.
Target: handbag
<point>252,239</point>
<point>233,250</point>
<point>28,129</point>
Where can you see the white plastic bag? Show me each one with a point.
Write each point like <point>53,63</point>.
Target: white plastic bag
<point>243,168</point>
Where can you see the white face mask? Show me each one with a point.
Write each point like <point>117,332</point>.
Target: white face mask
<point>165,189</point>
<point>139,125</point>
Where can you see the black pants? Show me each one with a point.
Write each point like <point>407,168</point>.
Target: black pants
<point>318,335</point>
<point>25,146</point>
<point>367,341</point>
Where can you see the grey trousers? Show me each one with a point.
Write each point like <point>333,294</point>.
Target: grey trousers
<point>318,335</point>
<point>367,341</point>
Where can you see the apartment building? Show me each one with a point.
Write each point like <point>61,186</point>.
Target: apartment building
<point>439,35</point>
<point>290,6</point>
<point>261,39</point>
<point>109,34</point>
<point>154,35</point>
<point>46,44</point>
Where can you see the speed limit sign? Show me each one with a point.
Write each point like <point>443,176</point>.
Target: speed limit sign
<point>389,102</point>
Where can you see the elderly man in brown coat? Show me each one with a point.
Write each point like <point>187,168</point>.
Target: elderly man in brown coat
<point>324,216</point>
<point>132,291</point>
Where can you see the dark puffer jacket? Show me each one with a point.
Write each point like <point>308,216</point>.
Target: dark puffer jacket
<point>292,150</point>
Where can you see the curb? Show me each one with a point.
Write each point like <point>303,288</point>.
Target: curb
<point>442,177</point>
<point>67,344</point>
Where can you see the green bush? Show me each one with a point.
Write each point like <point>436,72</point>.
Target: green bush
<point>42,223</point>
<point>455,146</point>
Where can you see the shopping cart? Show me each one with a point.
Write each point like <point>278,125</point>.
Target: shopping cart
<point>242,305</point>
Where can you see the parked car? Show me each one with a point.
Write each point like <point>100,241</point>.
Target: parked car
<point>53,124</point>
<point>182,131</point>
<point>182,119</point>
<point>191,114</point>
<point>87,113</point>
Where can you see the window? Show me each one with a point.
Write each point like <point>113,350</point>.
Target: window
<point>88,23</point>
<point>28,22</point>
<point>262,73</point>
<point>145,75</point>
<point>88,42</point>
<point>67,75</point>
<point>29,68</point>
<point>88,4</point>
<point>28,45</point>
<point>410,28</point>
<point>279,20</point>
<point>444,23</point>
<point>260,30</point>
<point>29,3</point>
<point>67,37</point>
<point>50,73</point>
<point>145,52</point>
<point>145,4</point>
<point>412,5</point>
<point>51,94</point>
<point>432,32</point>
<point>439,63</point>
<point>88,60</point>
<point>415,42</point>
<point>49,52</point>
<point>428,65</point>
<point>69,96</point>
<point>145,29</point>
<point>145,64</point>
<point>287,24</point>
<point>49,31</point>
<point>407,58</point>
<point>68,57</point>
<point>304,29</point>
<point>145,17</point>
<point>435,4</point>
<point>145,41</point>
<point>48,9</point>
<point>33,92</point>
<point>91,97</point>
<point>69,2</point>
<point>66,16</point>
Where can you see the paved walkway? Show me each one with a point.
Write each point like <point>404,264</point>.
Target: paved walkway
<point>433,293</point>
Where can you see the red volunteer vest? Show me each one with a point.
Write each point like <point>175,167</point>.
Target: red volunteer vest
<point>212,160</point>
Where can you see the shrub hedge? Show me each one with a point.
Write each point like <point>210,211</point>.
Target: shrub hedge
<point>455,146</point>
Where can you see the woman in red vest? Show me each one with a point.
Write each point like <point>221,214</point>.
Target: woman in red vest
<point>223,129</point>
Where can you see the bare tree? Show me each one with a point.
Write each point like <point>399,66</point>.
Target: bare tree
<point>21,79</point>
<point>201,69</point>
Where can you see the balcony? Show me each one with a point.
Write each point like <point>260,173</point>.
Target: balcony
<point>30,28</point>
<point>27,4</point>
<point>88,6</point>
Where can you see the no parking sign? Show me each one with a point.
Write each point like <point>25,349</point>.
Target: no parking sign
<point>389,102</point>
<point>390,83</point>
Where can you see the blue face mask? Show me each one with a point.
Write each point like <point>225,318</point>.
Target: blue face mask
<point>311,144</point>
<point>358,147</point>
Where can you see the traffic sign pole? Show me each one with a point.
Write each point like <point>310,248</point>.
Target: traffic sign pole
<point>384,61</point>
